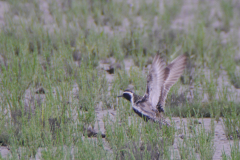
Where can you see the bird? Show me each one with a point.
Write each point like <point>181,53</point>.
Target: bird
<point>160,79</point>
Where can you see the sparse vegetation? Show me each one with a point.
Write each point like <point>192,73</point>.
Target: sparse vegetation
<point>63,63</point>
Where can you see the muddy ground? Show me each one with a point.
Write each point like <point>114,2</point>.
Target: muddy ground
<point>182,21</point>
<point>221,143</point>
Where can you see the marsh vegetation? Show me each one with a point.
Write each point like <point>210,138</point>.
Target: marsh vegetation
<point>64,62</point>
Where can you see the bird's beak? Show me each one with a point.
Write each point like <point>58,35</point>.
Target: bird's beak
<point>120,96</point>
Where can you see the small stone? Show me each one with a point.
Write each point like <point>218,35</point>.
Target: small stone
<point>110,70</point>
<point>92,133</point>
<point>197,122</point>
<point>40,91</point>
<point>182,136</point>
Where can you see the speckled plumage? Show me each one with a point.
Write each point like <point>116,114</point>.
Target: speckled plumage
<point>159,81</point>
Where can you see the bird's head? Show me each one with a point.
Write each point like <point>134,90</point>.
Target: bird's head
<point>128,94</point>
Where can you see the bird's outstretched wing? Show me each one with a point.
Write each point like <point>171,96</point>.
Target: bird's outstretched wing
<point>173,71</point>
<point>155,80</point>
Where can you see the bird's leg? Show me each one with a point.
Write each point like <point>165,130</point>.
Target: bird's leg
<point>162,120</point>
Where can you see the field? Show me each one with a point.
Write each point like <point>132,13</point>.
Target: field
<point>64,62</point>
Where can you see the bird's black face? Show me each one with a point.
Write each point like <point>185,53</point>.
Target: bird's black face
<point>127,95</point>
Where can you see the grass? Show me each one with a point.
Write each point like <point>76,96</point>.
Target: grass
<point>58,46</point>
<point>234,151</point>
<point>196,140</point>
